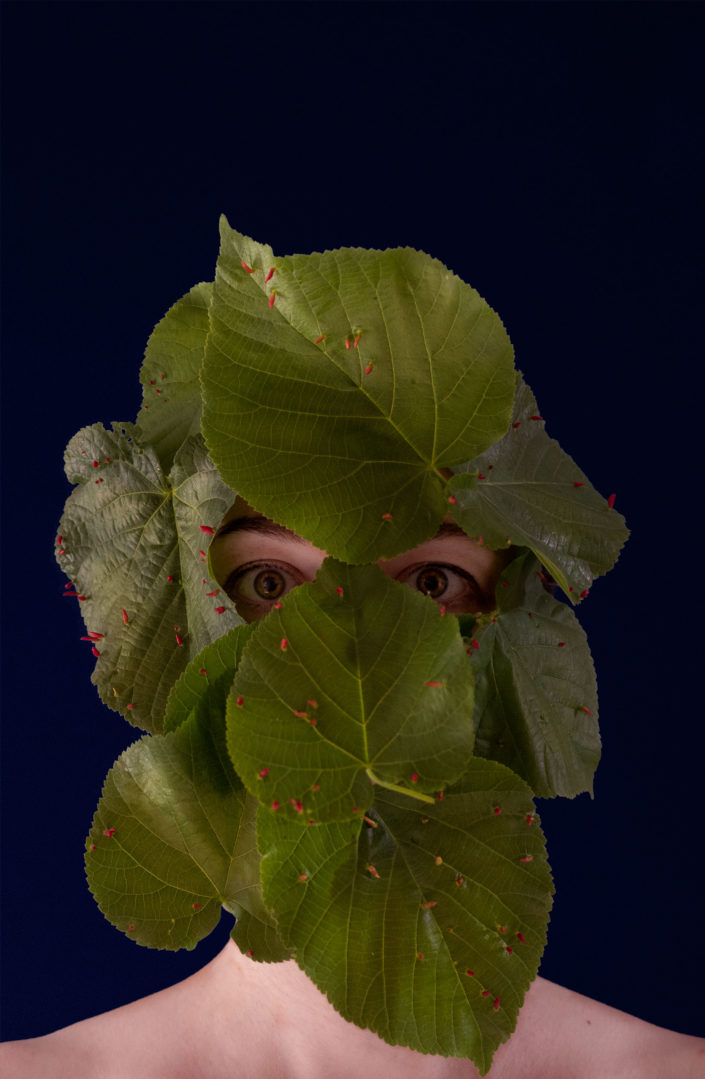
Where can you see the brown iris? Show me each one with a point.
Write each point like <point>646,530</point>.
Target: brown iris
<point>269,584</point>
<point>432,582</point>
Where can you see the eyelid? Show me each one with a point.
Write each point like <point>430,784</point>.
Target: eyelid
<point>262,563</point>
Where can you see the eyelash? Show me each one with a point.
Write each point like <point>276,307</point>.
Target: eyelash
<point>470,600</point>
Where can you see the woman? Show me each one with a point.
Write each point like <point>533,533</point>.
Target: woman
<point>367,405</point>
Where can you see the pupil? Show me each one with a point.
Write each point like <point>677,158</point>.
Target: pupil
<point>432,582</point>
<point>269,584</point>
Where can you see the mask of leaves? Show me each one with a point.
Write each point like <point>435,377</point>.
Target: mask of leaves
<point>352,776</point>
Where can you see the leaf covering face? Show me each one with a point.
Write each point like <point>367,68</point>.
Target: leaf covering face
<point>352,774</point>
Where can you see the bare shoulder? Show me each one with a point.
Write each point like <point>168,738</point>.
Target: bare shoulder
<point>570,1034</point>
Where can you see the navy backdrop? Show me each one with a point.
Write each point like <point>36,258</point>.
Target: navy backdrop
<point>549,154</point>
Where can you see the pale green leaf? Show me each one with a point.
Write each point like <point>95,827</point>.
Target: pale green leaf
<point>134,548</point>
<point>356,677</point>
<point>424,924</point>
<point>171,394</point>
<point>535,688</point>
<point>342,440</point>
<point>533,494</point>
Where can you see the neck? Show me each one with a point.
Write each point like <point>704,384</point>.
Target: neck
<point>270,1019</point>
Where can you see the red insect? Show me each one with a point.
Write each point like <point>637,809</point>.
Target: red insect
<point>125,619</point>
<point>178,639</point>
<point>271,298</point>
<point>611,501</point>
<point>207,529</point>
<point>270,275</point>
<point>246,268</point>
<point>319,339</point>
<point>219,610</point>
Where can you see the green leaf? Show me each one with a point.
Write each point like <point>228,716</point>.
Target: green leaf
<point>207,680</point>
<point>173,838</point>
<point>171,394</point>
<point>533,494</point>
<point>406,925</point>
<point>132,543</point>
<point>342,440</point>
<point>535,688</point>
<point>373,683</point>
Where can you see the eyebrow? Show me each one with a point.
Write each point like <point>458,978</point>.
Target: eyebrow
<point>265,527</point>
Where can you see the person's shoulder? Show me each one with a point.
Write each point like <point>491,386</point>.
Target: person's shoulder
<point>53,1056</point>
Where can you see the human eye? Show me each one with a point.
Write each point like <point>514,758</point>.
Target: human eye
<point>255,587</point>
<point>450,586</point>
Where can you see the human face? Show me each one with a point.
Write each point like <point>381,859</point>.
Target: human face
<point>256,562</point>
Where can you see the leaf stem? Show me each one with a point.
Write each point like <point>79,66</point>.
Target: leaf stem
<point>400,790</point>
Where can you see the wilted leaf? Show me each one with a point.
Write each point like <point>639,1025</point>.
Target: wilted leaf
<point>333,410</point>
<point>535,688</point>
<point>533,494</point>
<point>132,543</point>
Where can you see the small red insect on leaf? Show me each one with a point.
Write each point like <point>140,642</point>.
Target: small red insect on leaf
<point>485,993</point>
<point>480,476</point>
<point>95,464</point>
<point>169,579</point>
<point>125,618</point>
<point>496,1003</point>
<point>178,639</point>
<point>240,702</point>
<point>275,807</point>
<point>470,973</point>
<point>517,424</point>
<point>368,369</point>
<point>303,877</point>
<point>453,500</point>
<point>219,610</point>
<point>521,938</point>
<point>502,928</point>
<point>214,592</point>
<point>246,268</point>
<point>196,906</point>
<point>577,483</point>
<point>527,858</point>
<point>110,832</point>
<point>373,872</point>
<point>539,418</point>
<point>584,593</point>
<point>95,652</point>
<point>283,644</point>
<point>414,778</point>
<point>263,772</point>
<point>497,810</point>
<point>271,298</point>
<point>459,880</point>
<point>587,710</point>
<point>434,685</point>
<point>319,339</point>
<point>611,501</point>
<point>207,529</point>
<point>438,860</point>
<point>270,275</point>
<point>339,590</point>
<point>347,343</point>
<point>530,818</point>
<point>429,903</point>
<point>298,806</point>
<point>561,644</point>
<point>130,707</point>
<point>130,928</point>
<point>386,516</point>
<point>203,671</point>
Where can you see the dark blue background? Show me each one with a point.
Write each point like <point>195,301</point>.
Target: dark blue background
<point>549,154</point>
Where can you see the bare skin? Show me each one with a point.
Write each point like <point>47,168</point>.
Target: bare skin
<point>239,1019</point>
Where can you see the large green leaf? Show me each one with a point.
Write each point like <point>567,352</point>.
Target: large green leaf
<point>356,678</point>
<point>336,391</point>
<point>134,547</point>
<point>527,490</point>
<point>425,924</point>
<point>171,405</point>
<point>173,838</point>
<point>535,688</point>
